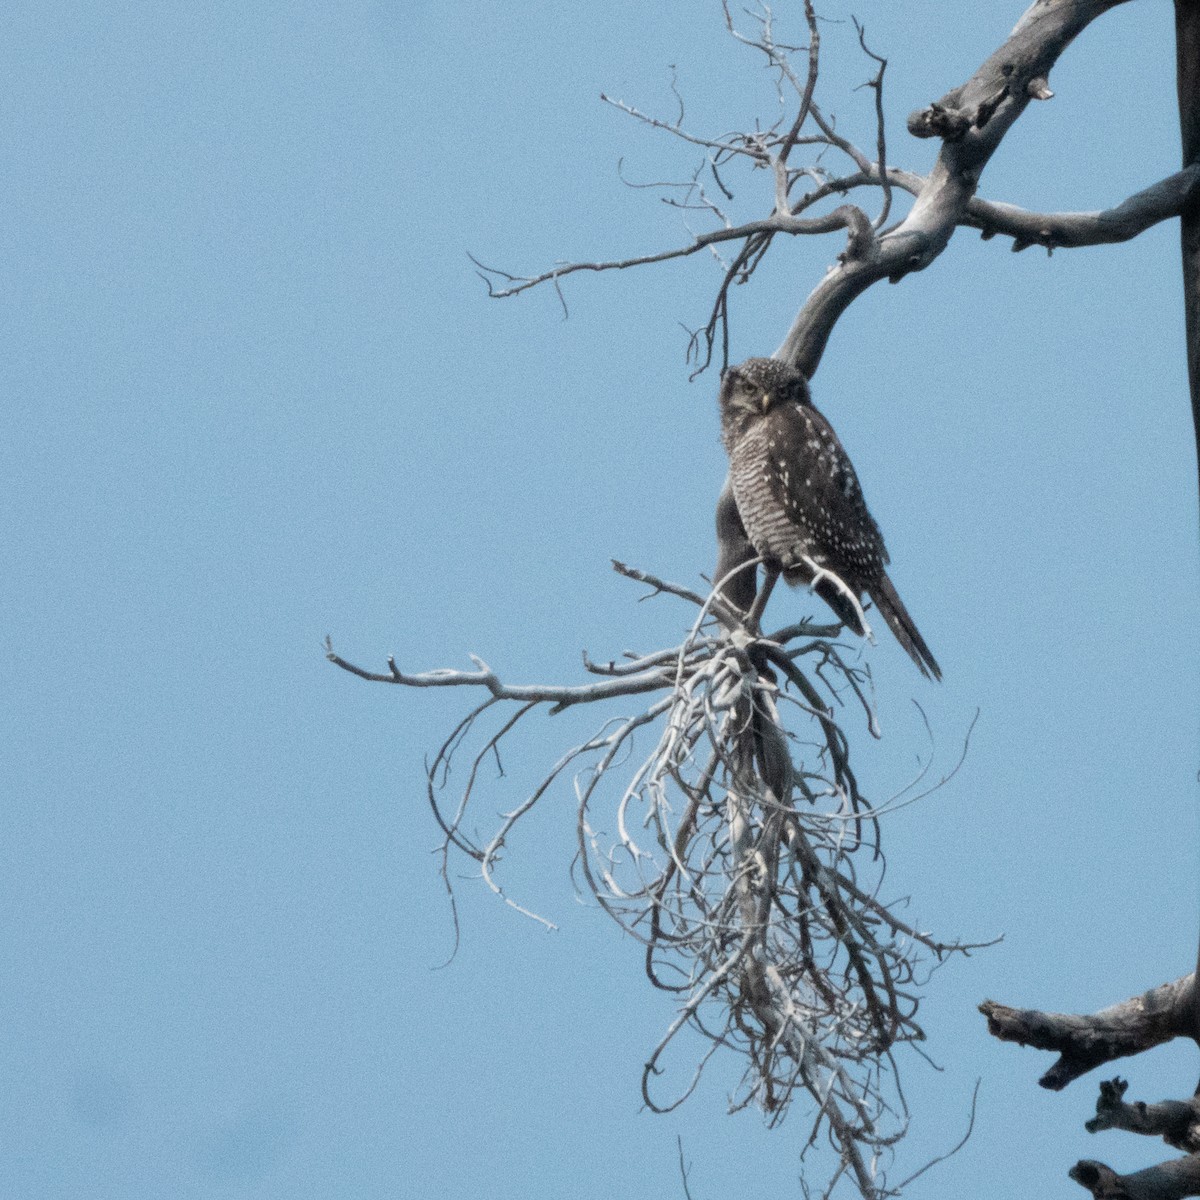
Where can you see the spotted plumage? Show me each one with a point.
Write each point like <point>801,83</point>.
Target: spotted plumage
<point>799,498</point>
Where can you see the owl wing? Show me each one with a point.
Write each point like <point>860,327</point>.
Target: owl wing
<point>813,480</point>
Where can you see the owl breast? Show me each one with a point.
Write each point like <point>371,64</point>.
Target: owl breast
<point>799,497</point>
<point>754,461</point>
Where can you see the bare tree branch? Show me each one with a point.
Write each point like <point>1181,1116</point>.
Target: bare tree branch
<point>560,697</point>
<point>1161,201</point>
<point>880,164</point>
<point>1177,1122</point>
<point>731,851</point>
<point>843,217</point>
<point>1168,1181</point>
<point>971,120</point>
<point>1086,1042</point>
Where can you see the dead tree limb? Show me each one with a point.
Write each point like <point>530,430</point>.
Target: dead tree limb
<point>1172,1180</point>
<point>971,121</point>
<point>1086,1042</point>
<point>1177,1122</point>
<point>1161,201</point>
<point>739,851</point>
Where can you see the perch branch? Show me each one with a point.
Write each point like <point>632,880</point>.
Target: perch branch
<point>972,120</point>
<point>729,848</point>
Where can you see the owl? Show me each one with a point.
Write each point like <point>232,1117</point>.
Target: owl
<point>800,501</point>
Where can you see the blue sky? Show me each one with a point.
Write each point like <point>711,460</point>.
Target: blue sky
<point>255,394</point>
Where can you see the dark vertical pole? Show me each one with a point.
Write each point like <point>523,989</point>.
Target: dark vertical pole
<point>1187,59</point>
<point>1187,66</point>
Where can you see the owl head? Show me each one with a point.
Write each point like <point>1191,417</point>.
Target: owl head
<point>753,388</point>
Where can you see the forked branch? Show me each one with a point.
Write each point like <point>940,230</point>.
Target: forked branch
<point>1085,1042</point>
<point>971,120</point>
<point>1177,1122</point>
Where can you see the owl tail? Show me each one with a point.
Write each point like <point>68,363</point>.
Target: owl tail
<point>892,609</point>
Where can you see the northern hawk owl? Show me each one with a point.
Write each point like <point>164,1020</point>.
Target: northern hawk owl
<point>799,498</point>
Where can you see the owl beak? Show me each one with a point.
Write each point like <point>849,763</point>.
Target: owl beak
<point>766,401</point>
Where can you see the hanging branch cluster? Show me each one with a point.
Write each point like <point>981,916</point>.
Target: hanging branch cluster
<point>739,852</point>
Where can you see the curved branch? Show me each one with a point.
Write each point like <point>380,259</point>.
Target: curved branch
<point>972,120</point>
<point>1161,201</point>
<point>1168,198</point>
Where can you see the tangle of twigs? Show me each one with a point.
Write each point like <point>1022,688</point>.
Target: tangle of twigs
<point>739,852</point>
<point>798,122</point>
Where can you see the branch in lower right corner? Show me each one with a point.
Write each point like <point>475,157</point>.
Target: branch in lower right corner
<point>1167,1181</point>
<point>1086,1042</point>
<point>1177,1122</point>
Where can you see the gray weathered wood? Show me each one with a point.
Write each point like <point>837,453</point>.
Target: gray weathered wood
<point>972,120</point>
